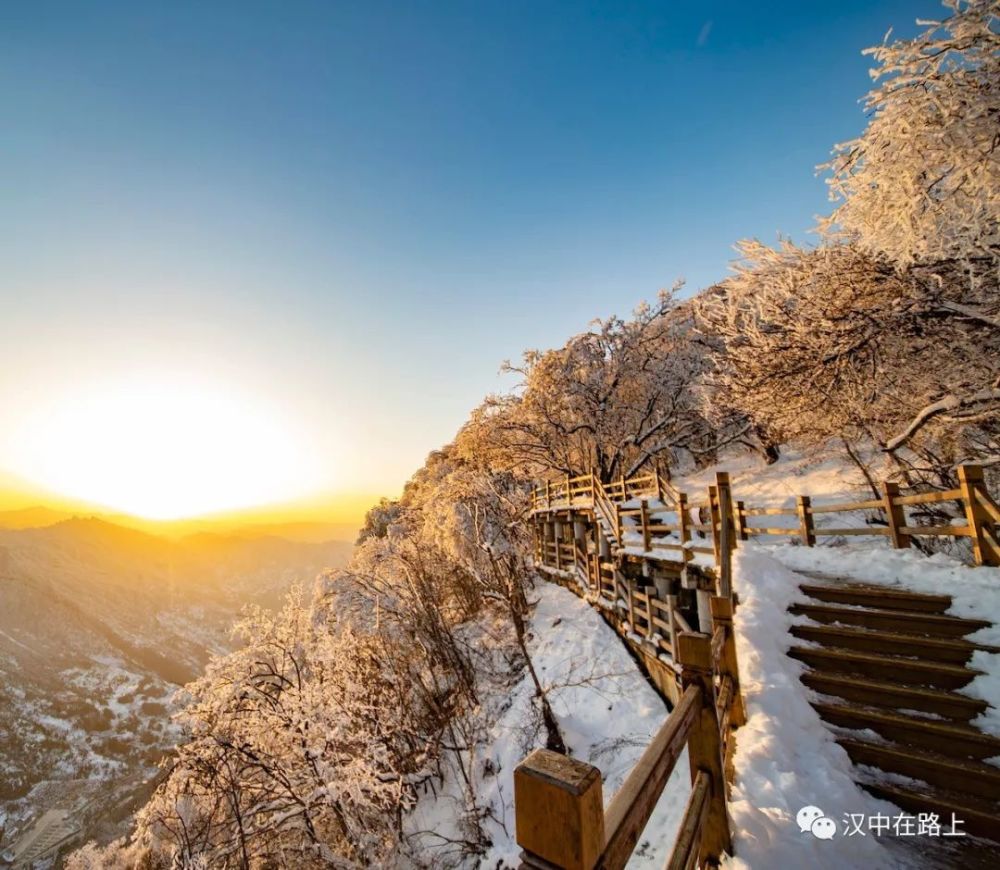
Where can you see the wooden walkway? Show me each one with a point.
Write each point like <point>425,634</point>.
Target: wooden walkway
<point>658,565</point>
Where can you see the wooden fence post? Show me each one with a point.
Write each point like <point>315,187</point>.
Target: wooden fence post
<point>895,514</point>
<point>694,654</point>
<point>970,478</point>
<point>672,621</point>
<point>722,614</point>
<point>713,520</point>
<point>684,521</point>
<point>569,490</point>
<point>558,811</point>
<point>647,542</point>
<point>650,627</point>
<point>741,521</point>
<point>703,601</point>
<point>726,543</point>
<point>630,601</point>
<point>548,494</point>
<point>807,531</point>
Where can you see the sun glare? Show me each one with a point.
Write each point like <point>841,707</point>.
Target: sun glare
<point>163,448</point>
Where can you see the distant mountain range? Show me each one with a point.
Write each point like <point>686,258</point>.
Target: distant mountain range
<point>100,624</point>
<point>39,516</point>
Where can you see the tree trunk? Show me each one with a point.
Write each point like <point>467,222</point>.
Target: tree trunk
<point>769,450</point>
<point>553,736</point>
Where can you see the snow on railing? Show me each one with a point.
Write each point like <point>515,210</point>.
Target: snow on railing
<point>558,801</point>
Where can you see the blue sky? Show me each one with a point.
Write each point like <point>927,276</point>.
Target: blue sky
<point>361,209</point>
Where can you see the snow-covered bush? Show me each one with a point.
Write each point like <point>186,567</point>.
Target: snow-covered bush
<point>293,757</point>
<point>307,746</point>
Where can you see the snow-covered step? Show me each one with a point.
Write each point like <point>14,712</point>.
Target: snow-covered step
<point>894,695</point>
<point>957,774</point>
<point>980,818</point>
<point>880,667</point>
<point>951,738</point>
<point>952,650</point>
<point>930,624</point>
<point>885,663</point>
<point>878,597</point>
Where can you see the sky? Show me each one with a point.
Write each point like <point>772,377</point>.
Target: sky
<point>257,251</point>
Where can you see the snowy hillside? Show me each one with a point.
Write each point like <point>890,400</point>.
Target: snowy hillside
<point>606,710</point>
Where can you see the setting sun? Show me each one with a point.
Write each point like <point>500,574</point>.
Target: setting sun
<point>163,447</point>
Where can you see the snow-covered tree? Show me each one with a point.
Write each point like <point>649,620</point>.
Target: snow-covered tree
<point>625,395</point>
<point>293,757</point>
<point>830,342</point>
<point>922,183</point>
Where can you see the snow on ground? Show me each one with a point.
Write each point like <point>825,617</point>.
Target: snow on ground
<point>827,478</point>
<point>825,475</point>
<point>975,594</point>
<point>607,713</point>
<point>786,759</point>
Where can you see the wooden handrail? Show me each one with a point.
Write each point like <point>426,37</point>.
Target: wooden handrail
<point>607,508</point>
<point>685,852</point>
<point>558,800</point>
<point>640,485</point>
<point>705,716</point>
<point>730,520</point>
<point>989,506</point>
<point>938,531</point>
<point>633,803</point>
<point>870,505</point>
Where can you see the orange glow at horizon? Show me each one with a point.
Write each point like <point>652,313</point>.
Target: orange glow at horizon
<point>165,447</point>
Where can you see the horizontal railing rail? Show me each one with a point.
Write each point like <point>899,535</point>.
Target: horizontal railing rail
<point>569,491</point>
<point>980,517</point>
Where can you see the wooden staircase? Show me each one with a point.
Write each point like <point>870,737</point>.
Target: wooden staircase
<point>885,665</point>
<point>606,514</point>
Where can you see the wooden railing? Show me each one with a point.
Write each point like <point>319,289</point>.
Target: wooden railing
<point>558,801</point>
<point>580,491</point>
<point>698,528</point>
<point>979,511</point>
<point>607,511</point>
